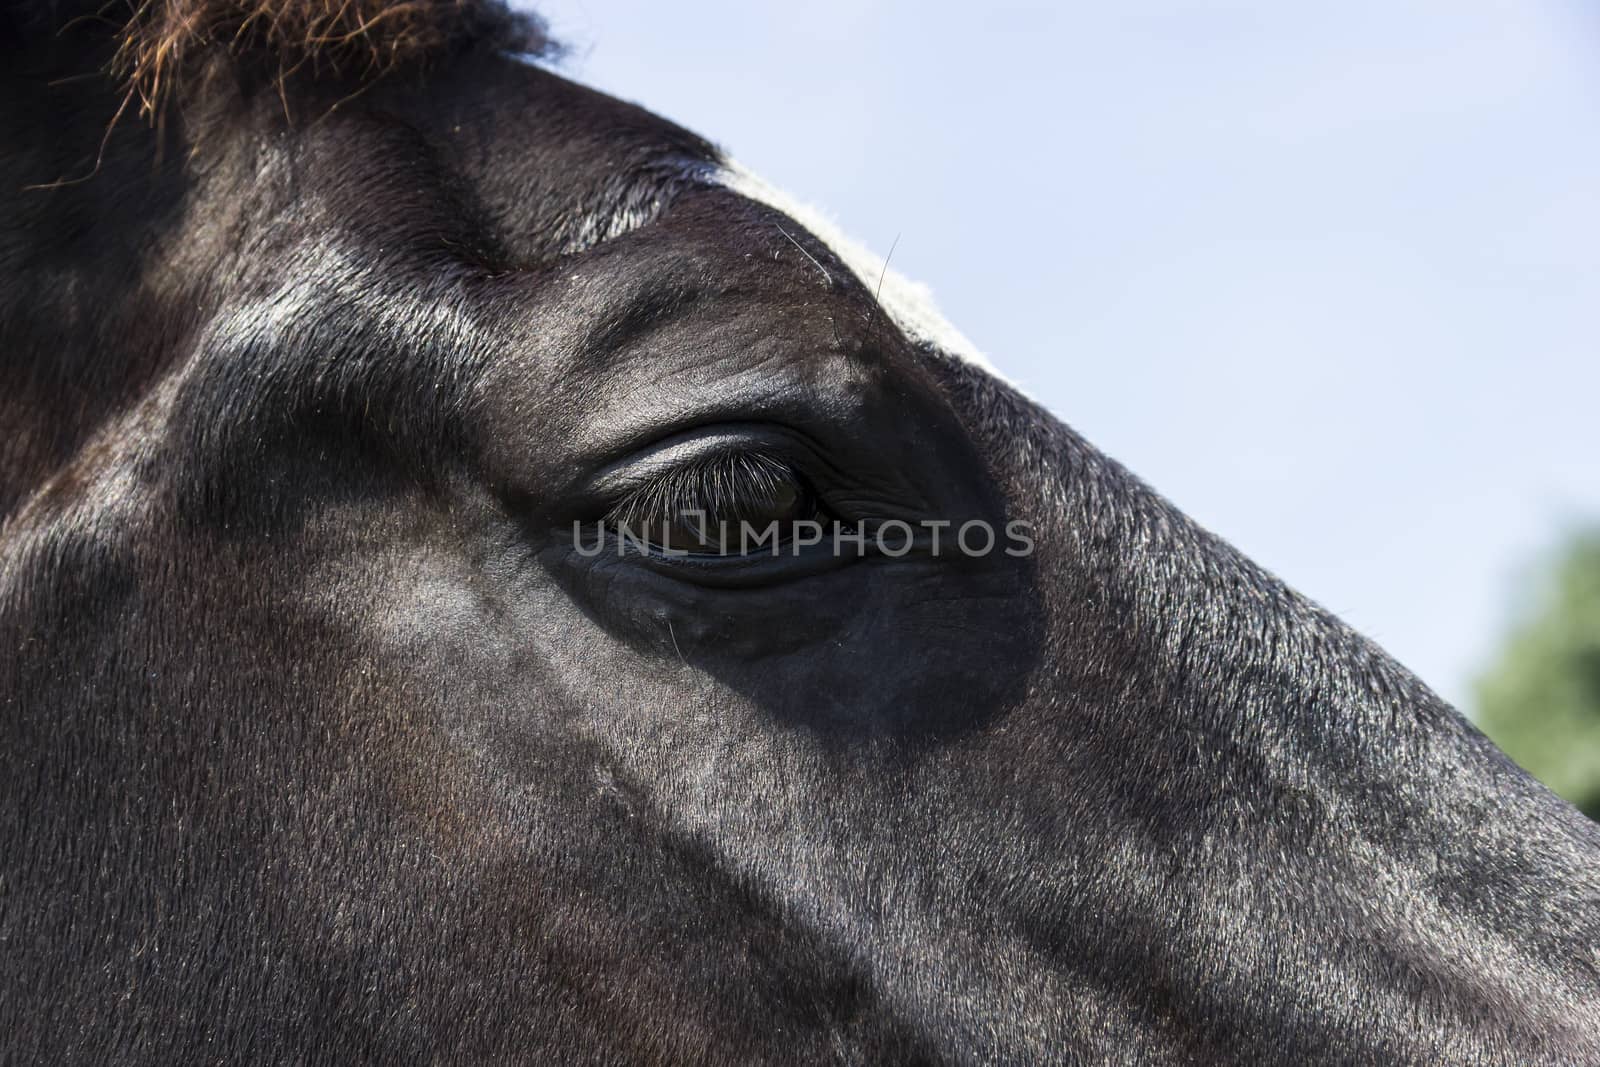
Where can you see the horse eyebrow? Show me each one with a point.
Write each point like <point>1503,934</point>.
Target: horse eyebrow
<point>634,198</point>
<point>163,44</point>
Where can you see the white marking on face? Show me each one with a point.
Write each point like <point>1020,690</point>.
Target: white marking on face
<point>909,305</point>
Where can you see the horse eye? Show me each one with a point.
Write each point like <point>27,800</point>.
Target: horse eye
<point>707,507</point>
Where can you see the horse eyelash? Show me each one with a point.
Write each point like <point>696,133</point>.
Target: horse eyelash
<point>719,485</point>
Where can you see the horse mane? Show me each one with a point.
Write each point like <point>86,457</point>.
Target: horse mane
<point>163,43</point>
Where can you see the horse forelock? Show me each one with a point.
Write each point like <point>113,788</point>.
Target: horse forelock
<point>163,46</point>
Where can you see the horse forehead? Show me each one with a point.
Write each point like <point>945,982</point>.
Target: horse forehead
<point>907,303</point>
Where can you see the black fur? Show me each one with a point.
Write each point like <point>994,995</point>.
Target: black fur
<point>320,743</point>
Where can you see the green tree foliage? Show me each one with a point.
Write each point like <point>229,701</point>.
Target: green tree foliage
<point>1540,700</point>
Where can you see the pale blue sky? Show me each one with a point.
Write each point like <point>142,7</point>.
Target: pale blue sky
<point>1328,276</point>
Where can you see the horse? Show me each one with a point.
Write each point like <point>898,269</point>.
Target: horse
<point>369,695</point>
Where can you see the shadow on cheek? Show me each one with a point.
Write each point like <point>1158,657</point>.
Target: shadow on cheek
<point>901,650</point>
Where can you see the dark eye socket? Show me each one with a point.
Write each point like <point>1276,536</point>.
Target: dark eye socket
<point>701,506</point>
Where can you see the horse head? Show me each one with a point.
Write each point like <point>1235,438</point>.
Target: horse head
<point>484,577</point>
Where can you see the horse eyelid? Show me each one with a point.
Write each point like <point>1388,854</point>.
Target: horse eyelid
<point>724,485</point>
